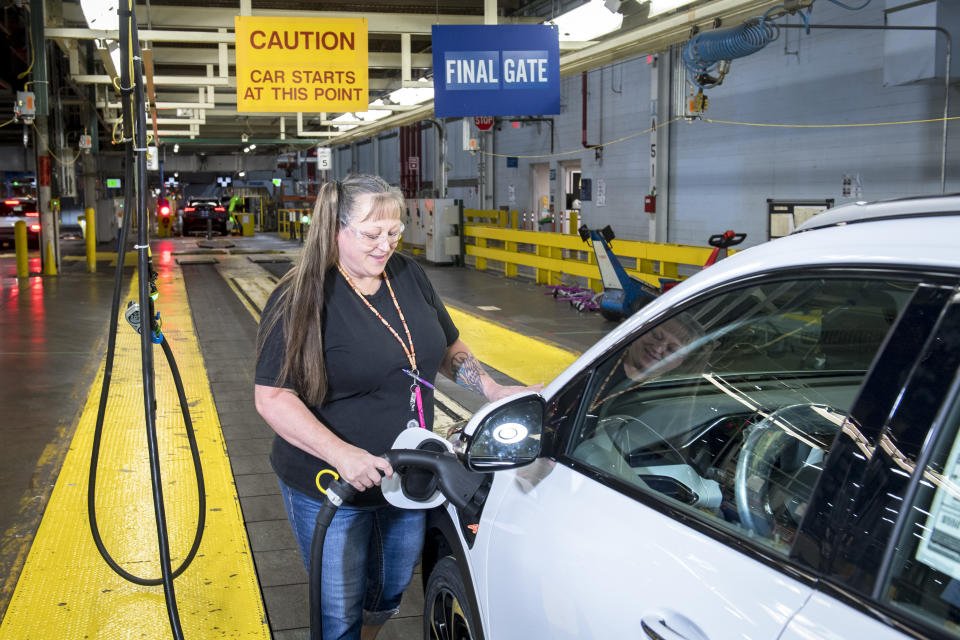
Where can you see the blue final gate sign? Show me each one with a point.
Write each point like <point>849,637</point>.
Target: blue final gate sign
<point>504,70</point>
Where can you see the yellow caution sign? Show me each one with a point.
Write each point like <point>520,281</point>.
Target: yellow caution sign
<point>301,64</point>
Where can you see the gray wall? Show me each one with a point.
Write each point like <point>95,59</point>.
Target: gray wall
<point>721,175</point>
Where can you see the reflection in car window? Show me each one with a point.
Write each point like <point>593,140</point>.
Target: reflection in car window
<point>925,575</point>
<point>729,408</point>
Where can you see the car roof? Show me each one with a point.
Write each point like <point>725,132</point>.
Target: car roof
<point>857,212</point>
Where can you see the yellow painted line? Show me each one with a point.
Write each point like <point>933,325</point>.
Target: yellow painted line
<point>242,293</point>
<point>528,360</point>
<point>65,589</point>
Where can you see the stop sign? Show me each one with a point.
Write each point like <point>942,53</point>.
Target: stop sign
<point>484,123</point>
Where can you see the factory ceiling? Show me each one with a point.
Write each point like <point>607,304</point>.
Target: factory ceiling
<point>189,58</point>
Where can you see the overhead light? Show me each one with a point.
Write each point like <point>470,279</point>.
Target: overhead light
<point>374,114</point>
<point>411,95</point>
<point>101,14</point>
<point>242,174</point>
<point>588,21</point>
<point>662,6</point>
<point>345,117</point>
<point>176,148</point>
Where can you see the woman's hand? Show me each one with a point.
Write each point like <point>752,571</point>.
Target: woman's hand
<point>361,468</point>
<point>496,391</point>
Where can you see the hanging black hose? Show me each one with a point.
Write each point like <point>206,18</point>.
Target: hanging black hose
<point>132,87</point>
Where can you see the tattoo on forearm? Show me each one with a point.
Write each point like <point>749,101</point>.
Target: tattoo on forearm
<point>467,371</point>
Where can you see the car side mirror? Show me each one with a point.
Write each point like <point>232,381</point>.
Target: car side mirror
<point>508,435</point>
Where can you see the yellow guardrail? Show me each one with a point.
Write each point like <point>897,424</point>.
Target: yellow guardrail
<point>554,254</point>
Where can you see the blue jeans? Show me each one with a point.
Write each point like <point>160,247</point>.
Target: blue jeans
<point>369,554</point>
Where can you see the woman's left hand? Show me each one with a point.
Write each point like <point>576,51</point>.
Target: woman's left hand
<point>498,391</point>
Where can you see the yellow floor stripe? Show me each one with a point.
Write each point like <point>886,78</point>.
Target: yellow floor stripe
<point>521,357</point>
<point>65,589</point>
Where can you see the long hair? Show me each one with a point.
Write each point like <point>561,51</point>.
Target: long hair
<point>300,302</point>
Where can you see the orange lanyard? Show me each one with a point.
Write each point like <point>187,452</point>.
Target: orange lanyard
<point>410,352</point>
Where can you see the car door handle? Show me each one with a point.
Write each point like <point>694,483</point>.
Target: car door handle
<point>656,629</point>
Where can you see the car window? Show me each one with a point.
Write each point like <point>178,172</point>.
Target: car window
<point>925,576</point>
<point>728,409</point>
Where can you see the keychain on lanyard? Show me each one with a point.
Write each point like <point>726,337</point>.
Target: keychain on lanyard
<point>416,398</point>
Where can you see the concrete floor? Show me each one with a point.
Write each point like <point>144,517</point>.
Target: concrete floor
<point>52,339</point>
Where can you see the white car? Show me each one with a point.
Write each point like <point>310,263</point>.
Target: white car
<point>768,451</point>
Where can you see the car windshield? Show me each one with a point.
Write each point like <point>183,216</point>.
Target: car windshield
<point>730,407</point>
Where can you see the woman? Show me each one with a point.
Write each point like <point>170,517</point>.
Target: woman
<point>345,341</point>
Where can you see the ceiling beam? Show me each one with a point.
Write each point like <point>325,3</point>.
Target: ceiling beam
<point>181,81</point>
<point>203,56</point>
<point>200,17</point>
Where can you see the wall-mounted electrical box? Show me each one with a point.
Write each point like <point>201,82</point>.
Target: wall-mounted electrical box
<point>24,107</point>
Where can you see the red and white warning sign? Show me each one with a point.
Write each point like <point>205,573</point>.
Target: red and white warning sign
<point>483,123</point>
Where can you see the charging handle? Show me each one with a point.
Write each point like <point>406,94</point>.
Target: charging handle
<point>458,484</point>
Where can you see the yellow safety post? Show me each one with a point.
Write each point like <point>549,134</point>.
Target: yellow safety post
<point>510,268</point>
<point>49,261</point>
<point>20,245</point>
<point>91,238</point>
<point>481,263</point>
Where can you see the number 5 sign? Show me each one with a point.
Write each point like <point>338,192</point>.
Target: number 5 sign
<point>324,158</point>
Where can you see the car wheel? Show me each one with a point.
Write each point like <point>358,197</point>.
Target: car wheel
<point>611,315</point>
<point>447,614</point>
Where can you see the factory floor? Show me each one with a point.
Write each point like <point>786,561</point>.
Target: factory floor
<point>248,580</point>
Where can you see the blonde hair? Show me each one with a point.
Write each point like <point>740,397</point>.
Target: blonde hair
<point>300,301</point>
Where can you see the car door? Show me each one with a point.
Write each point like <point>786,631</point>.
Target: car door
<point>684,469</point>
<point>894,568</point>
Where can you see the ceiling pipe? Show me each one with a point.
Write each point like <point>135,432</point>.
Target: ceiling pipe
<point>946,91</point>
<point>583,91</point>
<point>523,119</point>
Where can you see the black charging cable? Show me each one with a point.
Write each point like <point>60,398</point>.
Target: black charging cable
<point>465,489</point>
<point>147,324</point>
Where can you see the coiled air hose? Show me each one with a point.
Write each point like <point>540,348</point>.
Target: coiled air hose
<point>133,107</point>
<point>703,54</point>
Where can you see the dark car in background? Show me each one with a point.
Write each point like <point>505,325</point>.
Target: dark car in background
<point>200,212</point>
<point>13,210</point>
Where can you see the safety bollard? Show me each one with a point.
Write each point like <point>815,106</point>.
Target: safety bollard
<point>49,261</point>
<point>91,231</point>
<point>20,245</point>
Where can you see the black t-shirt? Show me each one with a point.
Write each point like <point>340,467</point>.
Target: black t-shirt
<point>368,395</point>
